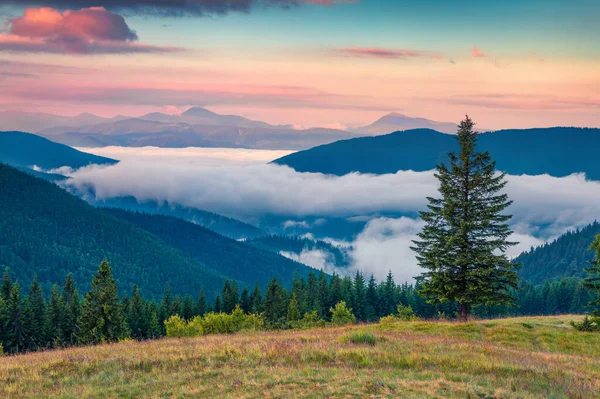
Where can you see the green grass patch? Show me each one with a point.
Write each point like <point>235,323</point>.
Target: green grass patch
<point>361,338</point>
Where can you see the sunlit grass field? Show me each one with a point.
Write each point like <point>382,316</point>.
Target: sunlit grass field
<point>532,357</point>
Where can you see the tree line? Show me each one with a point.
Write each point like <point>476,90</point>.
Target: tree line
<point>64,318</point>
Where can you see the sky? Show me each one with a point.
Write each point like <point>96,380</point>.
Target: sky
<point>342,63</point>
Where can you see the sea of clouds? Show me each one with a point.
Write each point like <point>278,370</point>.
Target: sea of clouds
<point>241,184</point>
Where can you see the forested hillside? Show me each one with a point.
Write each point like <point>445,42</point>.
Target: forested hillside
<point>230,258</point>
<point>557,151</point>
<point>27,150</point>
<point>47,231</point>
<point>567,256</point>
<point>223,225</point>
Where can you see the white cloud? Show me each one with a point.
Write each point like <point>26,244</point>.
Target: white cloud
<point>239,184</point>
<point>384,245</point>
<point>316,258</point>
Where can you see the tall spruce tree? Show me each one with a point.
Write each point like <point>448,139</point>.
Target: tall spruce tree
<point>592,282</point>
<point>137,316</point>
<point>201,304</point>
<point>15,327</point>
<point>463,243</point>
<point>72,311</point>
<point>35,316</point>
<point>102,314</point>
<point>54,318</point>
<point>256,299</point>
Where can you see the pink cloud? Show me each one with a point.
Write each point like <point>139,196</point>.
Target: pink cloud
<point>374,52</point>
<point>477,53</point>
<point>87,31</point>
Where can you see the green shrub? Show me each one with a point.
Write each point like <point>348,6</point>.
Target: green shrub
<point>406,313</point>
<point>588,324</point>
<point>177,327</point>
<point>308,321</point>
<point>367,338</point>
<point>341,315</point>
<point>214,323</point>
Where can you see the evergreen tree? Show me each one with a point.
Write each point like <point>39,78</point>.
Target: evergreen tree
<point>322,297</point>
<point>3,323</point>
<point>245,302</point>
<point>359,297</point>
<point>311,298</point>
<point>592,282</point>
<point>293,311</point>
<point>372,301</point>
<point>154,328</point>
<point>35,316</point>
<point>463,243</point>
<point>166,307</point>
<point>387,297</point>
<point>137,316</point>
<point>274,306</point>
<point>102,317</point>
<point>188,309</point>
<point>54,318</point>
<point>72,311</point>
<point>15,331</point>
<point>256,299</point>
<point>177,306</point>
<point>230,296</point>
<point>201,304</point>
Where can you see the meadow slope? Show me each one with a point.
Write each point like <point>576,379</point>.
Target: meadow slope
<point>531,357</point>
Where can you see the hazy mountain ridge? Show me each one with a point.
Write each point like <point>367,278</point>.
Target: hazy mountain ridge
<point>196,127</point>
<point>557,151</point>
<point>395,121</point>
<point>28,150</point>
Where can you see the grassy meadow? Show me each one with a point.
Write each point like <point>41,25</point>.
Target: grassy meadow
<point>531,357</point>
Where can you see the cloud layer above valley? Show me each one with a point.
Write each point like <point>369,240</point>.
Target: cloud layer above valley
<point>237,183</point>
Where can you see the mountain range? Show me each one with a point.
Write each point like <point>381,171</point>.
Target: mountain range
<point>557,151</point>
<point>196,127</point>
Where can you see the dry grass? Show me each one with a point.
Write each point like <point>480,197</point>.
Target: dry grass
<point>511,358</point>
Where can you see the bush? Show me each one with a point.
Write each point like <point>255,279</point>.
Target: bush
<point>406,313</point>
<point>367,338</point>
<point>588,324</point>
<point>178,327</point>
<point>341,315</point>
<point>308,321</point>
<point>214,323</point>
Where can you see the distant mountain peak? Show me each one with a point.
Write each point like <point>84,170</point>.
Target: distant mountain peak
<point>394,115</point>
<point>198,111</point>
<point>396,121</point>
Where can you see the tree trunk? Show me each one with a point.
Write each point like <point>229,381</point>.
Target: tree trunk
<point>463,312</point>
